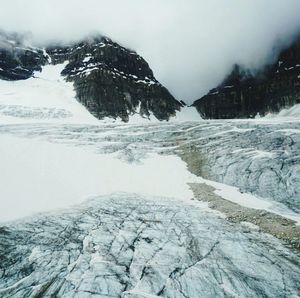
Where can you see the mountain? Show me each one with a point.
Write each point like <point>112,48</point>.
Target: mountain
<point>244,95</point>
<point>109,80</point>
<point>18,61</point>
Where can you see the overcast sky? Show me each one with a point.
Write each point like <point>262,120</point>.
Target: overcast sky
<point>190,44</point>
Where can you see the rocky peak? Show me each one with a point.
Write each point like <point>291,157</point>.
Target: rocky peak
<point>244,94</point>
<point>94,52</point>
<point>112,81</point>
<point>17,60</point>
<point>109,79</point>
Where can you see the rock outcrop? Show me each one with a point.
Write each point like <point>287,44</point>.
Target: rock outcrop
<point>18,61</point>
<point>112,81</point>
<point>244,95</point>
<point>109,80</point>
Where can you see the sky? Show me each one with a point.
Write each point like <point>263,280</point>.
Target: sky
<point>191,45</point>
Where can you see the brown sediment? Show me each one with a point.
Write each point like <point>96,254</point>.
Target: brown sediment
<point>278,226</point>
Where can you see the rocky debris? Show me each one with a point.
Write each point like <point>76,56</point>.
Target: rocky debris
<point>244,95</point>
<point>259,158</point>
<point>126,245</point>
<point>275,225</point>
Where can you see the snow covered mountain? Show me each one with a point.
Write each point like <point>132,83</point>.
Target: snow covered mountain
<point>244,95</point>
<point>109,80</point>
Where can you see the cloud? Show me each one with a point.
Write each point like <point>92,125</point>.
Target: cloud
<point>190,44</point>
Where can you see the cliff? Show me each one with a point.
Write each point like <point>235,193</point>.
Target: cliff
<point>17,60</point>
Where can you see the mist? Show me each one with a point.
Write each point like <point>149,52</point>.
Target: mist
<point>190,45</point>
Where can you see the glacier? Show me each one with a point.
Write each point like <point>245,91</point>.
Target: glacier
<point>95,208</point>
<point>129,245</point>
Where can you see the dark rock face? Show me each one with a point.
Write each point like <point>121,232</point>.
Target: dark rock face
<point>243,95</point>
<point>17,61</point>
<point>109,80</point>
<point>112,81</point>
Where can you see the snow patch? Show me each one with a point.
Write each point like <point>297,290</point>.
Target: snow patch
<point>46,91</point>
<point>87,59</point>
<point>293,112</point>
<point>39,176</point>
<point>186,114</point>
<point>234,195</point>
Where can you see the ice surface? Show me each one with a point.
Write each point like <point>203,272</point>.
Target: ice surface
<point>140,158</point>
<point>136,232</point>
<point>128,245</point>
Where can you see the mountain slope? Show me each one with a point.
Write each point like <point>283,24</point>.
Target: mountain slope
<point>46,97</point>
<point>18,61</point>
<point>109,80</point>
<point>244,95</point>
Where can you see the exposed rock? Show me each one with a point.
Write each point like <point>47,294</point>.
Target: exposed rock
<point>109,80</point>
<point>17,61</point>
<point>112,81</point>
<point>268,222</point>
<point>259,158</point>
<point>244,95</point>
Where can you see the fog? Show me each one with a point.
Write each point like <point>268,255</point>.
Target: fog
<point>190,44</point>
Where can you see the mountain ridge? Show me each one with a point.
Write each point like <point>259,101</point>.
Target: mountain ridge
<point>243,94</point>
<point>109,80</point>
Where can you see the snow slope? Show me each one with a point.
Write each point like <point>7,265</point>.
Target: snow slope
<point>186,114</point>
<point>293,112</point>
<point>39,176</point>
<point>46,97</point>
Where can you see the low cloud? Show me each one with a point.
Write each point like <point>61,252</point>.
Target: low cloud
<point>190,45</point>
